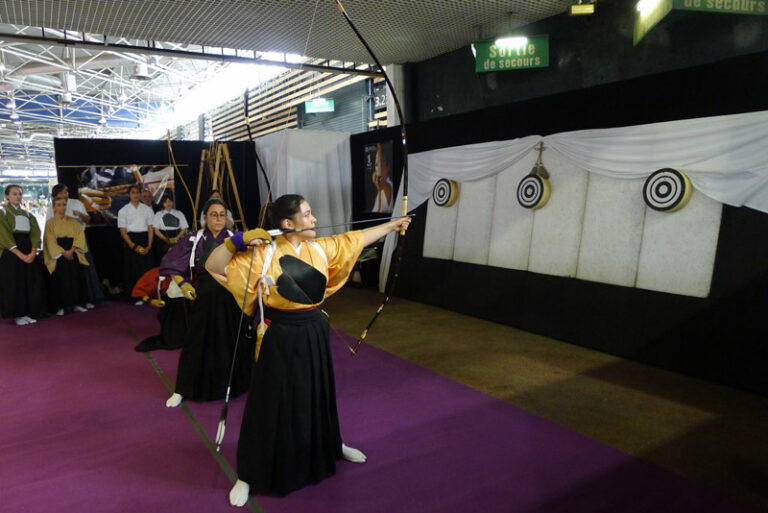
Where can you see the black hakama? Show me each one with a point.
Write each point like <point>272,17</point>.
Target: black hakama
<point>290,434</point>
<point>134,264</point>
<point>206,358</point>
<point>67,285</point>
<point>92,282</point>
<point>23,284</point>
<point>174,326</point>
<point>162,247</point>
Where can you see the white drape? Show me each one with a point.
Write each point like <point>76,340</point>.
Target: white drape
<point>726,158</point>
<point>315,164</point>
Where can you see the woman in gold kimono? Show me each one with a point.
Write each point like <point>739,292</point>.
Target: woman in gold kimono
<point>64,250</point>
<point>290,434</point>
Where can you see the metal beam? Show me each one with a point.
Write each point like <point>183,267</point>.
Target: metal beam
<point>183,54</point>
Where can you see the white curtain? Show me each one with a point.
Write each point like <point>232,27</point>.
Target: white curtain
<point>726,158</point>
<point>315,164</point>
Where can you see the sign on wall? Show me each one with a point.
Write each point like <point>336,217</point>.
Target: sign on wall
<point>318,105</point>
<point>648,13</point>
<point>759,7</point>
<point>511,54</point>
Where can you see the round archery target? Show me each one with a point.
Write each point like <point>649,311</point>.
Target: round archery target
<point>445,193</point>
<point>667,190</point>
<point>533,192</point>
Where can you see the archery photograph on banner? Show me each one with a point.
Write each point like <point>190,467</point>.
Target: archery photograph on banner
<point>377,166</point>
<point>104,189</point>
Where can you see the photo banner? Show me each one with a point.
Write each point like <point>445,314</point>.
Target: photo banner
<point>104,189</point>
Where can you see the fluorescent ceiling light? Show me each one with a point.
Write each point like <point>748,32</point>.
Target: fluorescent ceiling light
<point>646,6</point>
<point>511,42</point>
<point>581,9</point>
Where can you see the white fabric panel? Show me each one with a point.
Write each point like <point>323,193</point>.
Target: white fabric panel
<point>613,231</point>
<point>462,164</point>
<point>557,225</point>
<point>315,164</point>
<point>725,157</point>
<point>440,231</point>
<point>473,229</point>
<point>678,249</point>
<point>511,225</point>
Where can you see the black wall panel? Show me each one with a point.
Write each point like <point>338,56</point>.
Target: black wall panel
<point>721,338</point>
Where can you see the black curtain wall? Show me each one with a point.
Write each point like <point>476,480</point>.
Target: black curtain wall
<point>721,338</point>
<point>73,155</point>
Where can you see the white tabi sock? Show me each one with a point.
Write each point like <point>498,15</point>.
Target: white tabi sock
<point>174,400</point>
<point>238,495</point>
<point>353,455</point>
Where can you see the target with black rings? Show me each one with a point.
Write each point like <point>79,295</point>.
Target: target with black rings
<point>445,193</point>
<point>533,192</point>
<point>667,190</point>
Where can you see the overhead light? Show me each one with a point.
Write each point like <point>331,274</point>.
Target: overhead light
<point>11,103</point>
<point>141,72</point>
<point>123,97</point>
<point>511,42</point>
<point>65,98</point>
<point>14,114</point>
<point>646,6</point>
<point>102,120</point>
<point>580,9</point>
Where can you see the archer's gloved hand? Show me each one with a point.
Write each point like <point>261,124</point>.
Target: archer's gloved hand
<point>186,288</point>
<point>241,240</point>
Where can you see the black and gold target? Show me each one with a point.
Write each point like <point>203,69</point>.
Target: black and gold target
<point>445,193</point>
<point>667,190</point>
<point>533,191</point>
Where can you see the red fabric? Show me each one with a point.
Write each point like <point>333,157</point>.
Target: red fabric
<point>147,285</point>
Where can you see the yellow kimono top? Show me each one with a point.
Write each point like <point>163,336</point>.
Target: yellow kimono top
<point>67,227</point>
<point>341,252</point>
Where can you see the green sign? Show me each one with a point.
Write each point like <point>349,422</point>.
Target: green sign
<point>649,12</point>
<point>647,15</point>
<point>512,53</point>
<point>759,7</point>
<point>318,105</point>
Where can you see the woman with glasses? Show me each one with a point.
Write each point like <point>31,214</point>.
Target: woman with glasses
<point>230,224</point>
<point>290,434</point>
<point>22,293</point>
<point>202,317</point>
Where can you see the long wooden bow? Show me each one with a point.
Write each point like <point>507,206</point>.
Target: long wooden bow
<point>259,164</point>
<point>403,134</point>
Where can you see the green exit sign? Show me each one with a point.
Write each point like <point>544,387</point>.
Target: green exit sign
<point>758,7</point>
<point>318,105</point>
<point>650,12</point>
<point>512,53</point>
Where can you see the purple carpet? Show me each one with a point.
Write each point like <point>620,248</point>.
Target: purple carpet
<point>85,429</point>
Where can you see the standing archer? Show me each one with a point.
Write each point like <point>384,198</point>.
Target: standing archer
<point>290,434</point>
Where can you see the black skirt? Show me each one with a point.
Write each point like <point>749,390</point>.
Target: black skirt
<point>174,326</point>
<point>290,433</point>
<point>93,284</point>
<point>206,358</point>
<point>23,285</point>
<point>134,264</point>
<point>161,247</point>
<point>67,285</point>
